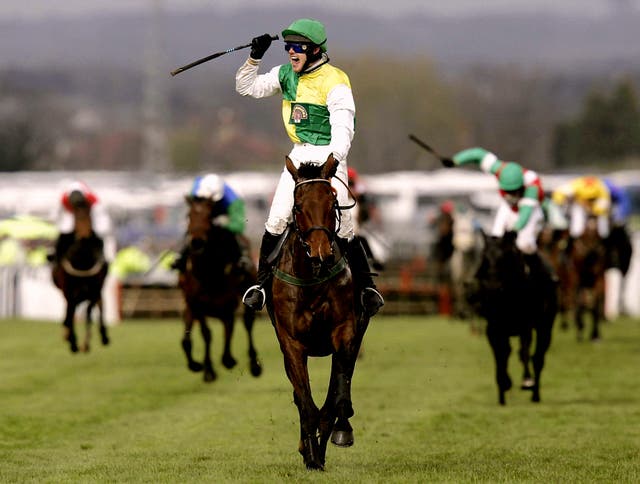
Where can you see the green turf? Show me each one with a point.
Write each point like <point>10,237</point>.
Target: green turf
<point>424,395</point>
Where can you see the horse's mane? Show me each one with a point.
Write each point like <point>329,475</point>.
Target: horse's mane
<point>308,170</point>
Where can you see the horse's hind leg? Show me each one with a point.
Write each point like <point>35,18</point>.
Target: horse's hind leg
<point>525,355</point>
<point>543,341</point>
<point>228,361</point>
<point>249,317</point>
<point>209,373</point>
<point>104,337</point>
<point>86,345</point>
<point>69,331</point>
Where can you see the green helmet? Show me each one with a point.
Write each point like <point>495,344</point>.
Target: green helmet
<point>308,29</point>
<point>511,177</point>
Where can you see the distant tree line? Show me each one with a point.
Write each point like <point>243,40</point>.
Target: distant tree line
<point>606,130</point>
<point>539,118</point>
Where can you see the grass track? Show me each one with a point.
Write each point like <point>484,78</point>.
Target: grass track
<point>424,395</point>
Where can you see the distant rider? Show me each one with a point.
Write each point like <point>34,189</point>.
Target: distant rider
<point>520,209</point>
<point>584,197</point>
<point>78,195</point>
<point>228,212</point>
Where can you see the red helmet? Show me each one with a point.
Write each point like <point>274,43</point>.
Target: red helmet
<point>447,206</point>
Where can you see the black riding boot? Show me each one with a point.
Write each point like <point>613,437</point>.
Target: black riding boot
<point>370,298</point>
<point>255,296</point>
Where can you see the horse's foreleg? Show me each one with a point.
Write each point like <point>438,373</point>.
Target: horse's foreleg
<point>295,364</point>
<point>249,317</point>
<point>340,392</point>
<point>501,351</point>
<point>69,331</point>
<point>209,373</point>
<point>186,341</point>
<point>228,361</point>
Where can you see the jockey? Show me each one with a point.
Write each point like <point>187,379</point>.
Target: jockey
<point>361,214</point>
<point>520,209</point>
<point>77,195</point>
<point>584,197</point>
<point>620,203</point>
<point>318,113</point>
<point>228,212</point>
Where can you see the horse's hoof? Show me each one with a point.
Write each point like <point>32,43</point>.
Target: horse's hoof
<point>527,384</point>
<point>74,349</point>
<point>229,362</point>
<point>105,341</point>
<point>210,376</point>
<point>342,438</point>
<point>256,368</point>
<point>314,466</point>
<point>195,366</point>
<point>535,398</point>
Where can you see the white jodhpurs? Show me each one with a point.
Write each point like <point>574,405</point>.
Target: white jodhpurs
<point>282,205</point>
<point>578,221</point>
<point>527,237</point>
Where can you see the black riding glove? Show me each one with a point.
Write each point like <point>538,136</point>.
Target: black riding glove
<point>448,162</point>
<point>259,46</point>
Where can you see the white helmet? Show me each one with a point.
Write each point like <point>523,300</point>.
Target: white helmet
<point>208,186</point>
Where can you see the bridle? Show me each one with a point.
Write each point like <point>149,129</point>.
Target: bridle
<point>337,208</point>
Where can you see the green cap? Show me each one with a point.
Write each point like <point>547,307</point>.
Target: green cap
<point>310,29</point>
<point>511,177</point>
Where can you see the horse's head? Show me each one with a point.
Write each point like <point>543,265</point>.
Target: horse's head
<point>200,221</point>
<point>315,207</point>
<point>502,263</point>
<point>83,227</point>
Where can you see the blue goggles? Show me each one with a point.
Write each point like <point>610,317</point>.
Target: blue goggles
<point>297,48</point>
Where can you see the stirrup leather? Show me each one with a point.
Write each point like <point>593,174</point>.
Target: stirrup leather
<point>250,294</point>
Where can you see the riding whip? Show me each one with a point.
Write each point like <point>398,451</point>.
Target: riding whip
<point>424,145</point>
<point>213,56</point>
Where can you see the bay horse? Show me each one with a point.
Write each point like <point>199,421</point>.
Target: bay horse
<point>313,310</point>
<point>79,272</point>
<point>212,285</point>
<point>554,243</point>
<point>515,304</point>
<point>588,262</point>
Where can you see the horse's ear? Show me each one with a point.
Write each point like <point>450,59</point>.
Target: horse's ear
<point>188,199</point>
<point>291,168</point>
<point>330,167</point>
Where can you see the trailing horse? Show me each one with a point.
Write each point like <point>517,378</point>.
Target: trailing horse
<point>515,301</point>
<point>588,263</point>
<point>212,284</point>
<point>79,272</point>
<point>313,310</point>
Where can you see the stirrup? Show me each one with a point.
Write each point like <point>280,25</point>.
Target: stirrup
<point>371,300</point>
<point>254,297</point>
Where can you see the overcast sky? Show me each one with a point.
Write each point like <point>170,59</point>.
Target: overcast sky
<point>12,9</point>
